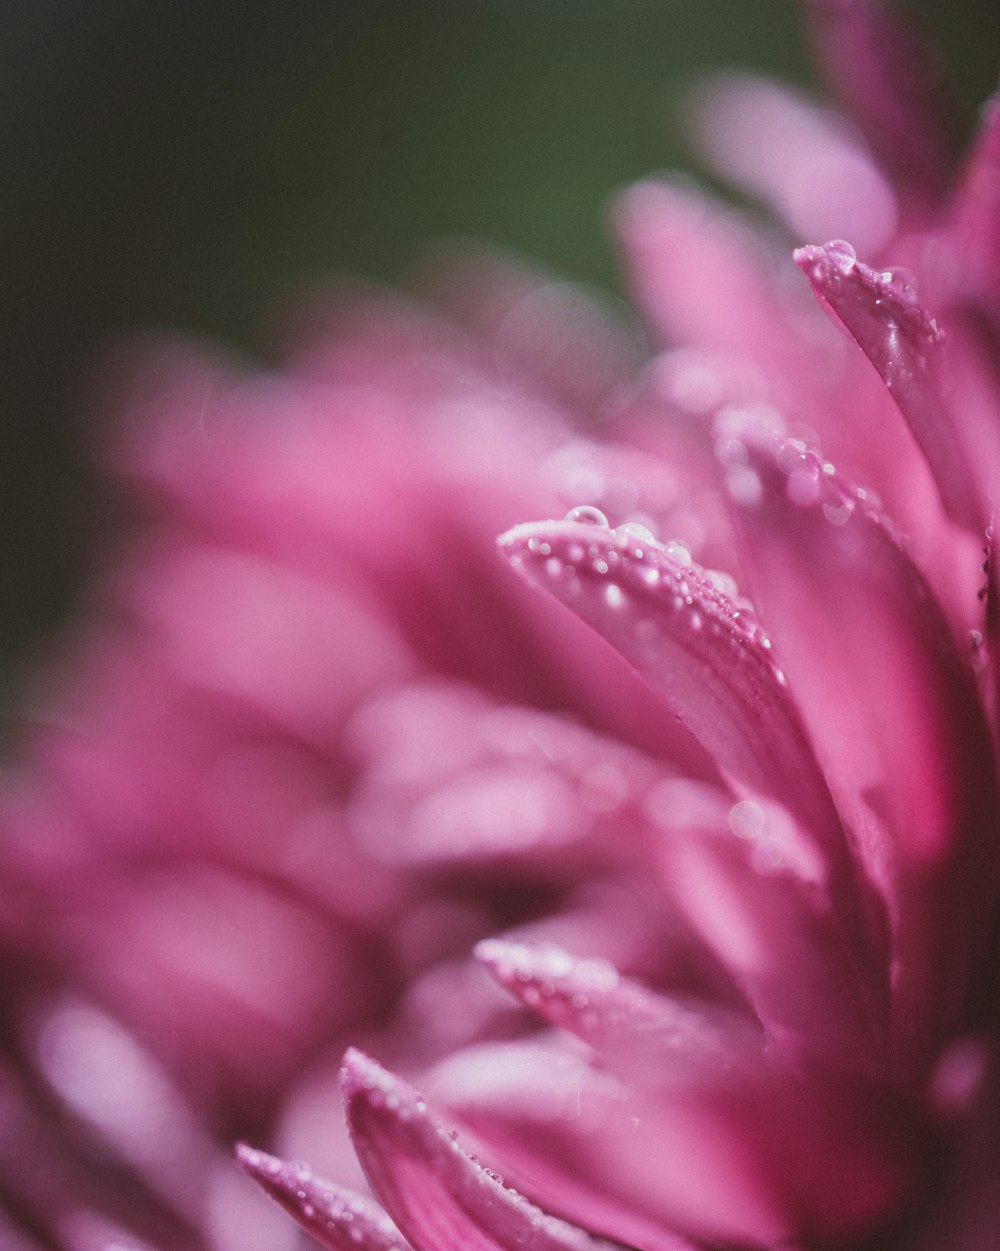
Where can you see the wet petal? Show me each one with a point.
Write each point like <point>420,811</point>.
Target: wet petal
<point>440,1196</point>
<point>616,1016</point>
<point>891,708</point>
<point>707,659</point>
<point>338,1219</point>
<point>907,348</point>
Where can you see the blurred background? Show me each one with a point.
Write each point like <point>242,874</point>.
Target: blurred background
<point>190,165</point>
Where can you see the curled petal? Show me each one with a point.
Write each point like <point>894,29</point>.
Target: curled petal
<point>907,348</point>
<point>706,658</point>
<point>337,1218</point>
<point>441,1197</point>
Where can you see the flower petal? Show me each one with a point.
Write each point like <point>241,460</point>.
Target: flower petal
<point>440,1196</point>
<point>907,348</point>
<point>891,708</point>
<point>338,1219</point>
<point>885,76</point>
<point>707,659</point>
<point>742,1158</point>
<point>616,1016</point>
<point>810,168</point>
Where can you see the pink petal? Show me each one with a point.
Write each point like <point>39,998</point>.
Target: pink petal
<point>700,277</point>
<point>441,1197</point>
<point>800,159</point>
<point>707,659</point>
<point>817,995</point>
<point>908,350</point>
<point>448,776</point>
<point>337,1218</point>
<point>892,711</point>
<point>975,213</point>
<point>616,1016</point>
<point>885,77</point>
<point>750,1158</point>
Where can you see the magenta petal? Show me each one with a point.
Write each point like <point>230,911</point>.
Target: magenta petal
<point>976,212</point>
<point>891,708</point>
<point>615,1015</point>
<point>337,1218</point>
<point>907,348</point>
<point>441,1197</point>
<point>707,659</point>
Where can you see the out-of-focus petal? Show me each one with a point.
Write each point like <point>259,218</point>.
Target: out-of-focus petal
<point>442,1198</point>
<point>338,1219</point>
<point>628,1023</point>
<point>702,277</point>
<point>975,219</point>
<point>451,778</point>
<point>887,80</point>
<point>723,1160</point>
<point>801,160</point>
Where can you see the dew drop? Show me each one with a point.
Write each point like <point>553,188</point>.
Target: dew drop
<point>588,515</point>
<point>842,254</point>
<point>677,551</point>
<point>613,596</point>
<point>636,530</point>
<point>838,512</point>
<point>746,819</point>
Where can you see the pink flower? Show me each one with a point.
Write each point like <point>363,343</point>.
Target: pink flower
<point>661,855</point>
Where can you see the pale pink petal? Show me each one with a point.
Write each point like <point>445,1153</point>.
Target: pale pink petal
<point>440,1196</point>
<point>338,1219</point>
<point>450,777</point>
<point>801,160</point>
<point>702,277</point>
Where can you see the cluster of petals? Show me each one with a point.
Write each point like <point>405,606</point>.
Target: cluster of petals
<point>649,871</point>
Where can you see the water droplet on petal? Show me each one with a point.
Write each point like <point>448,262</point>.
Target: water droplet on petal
<point>588,515</point>
<point>746,819</point>
<point>842,254</point>
<point>902,283</point>
<point>635,530</point>
<point>677,551</point>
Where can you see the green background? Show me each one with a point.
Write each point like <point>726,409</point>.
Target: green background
<point>189,165</point>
